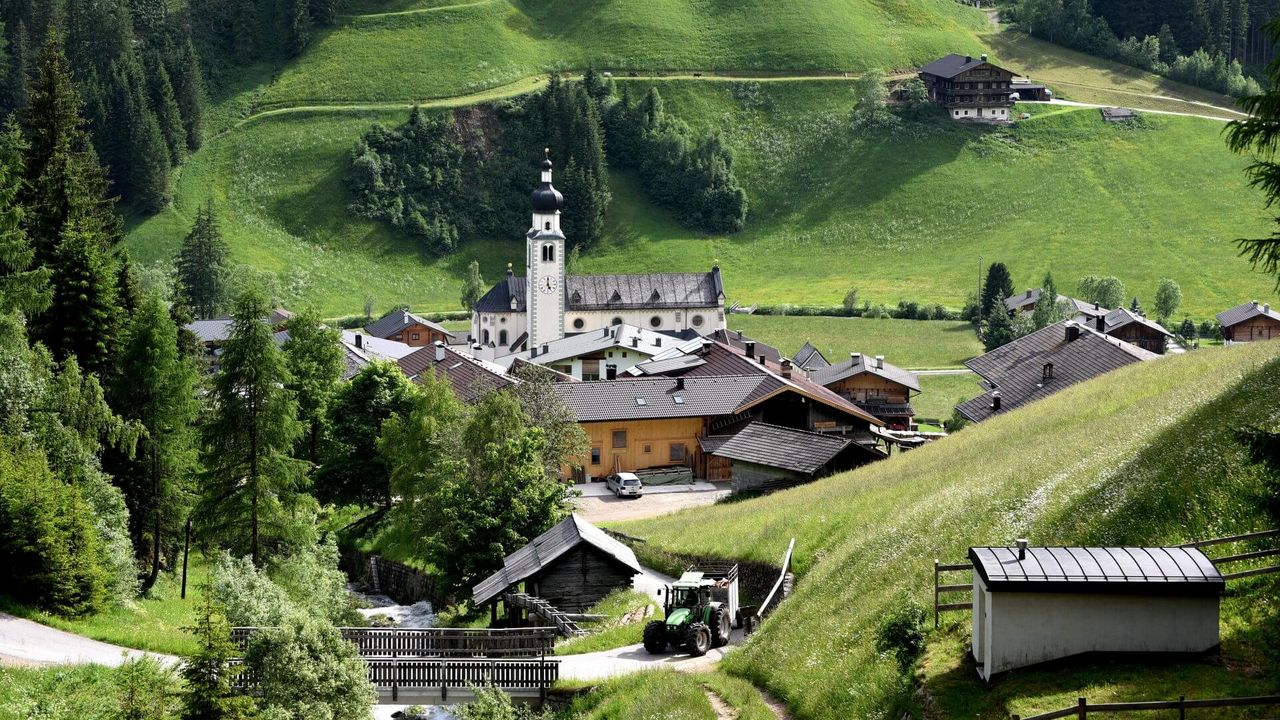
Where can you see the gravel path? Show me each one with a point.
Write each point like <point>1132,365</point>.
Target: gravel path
<point>23,642</point>
<point>607,508</point>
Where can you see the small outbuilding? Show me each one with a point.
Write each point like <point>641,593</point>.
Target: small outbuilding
<point>572,566</point>
<point>1118,114</point>
<point>1033,605</point>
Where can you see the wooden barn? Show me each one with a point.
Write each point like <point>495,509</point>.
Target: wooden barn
<point>1250,322</point>
<point>405,327</point>
<point>572,566</point>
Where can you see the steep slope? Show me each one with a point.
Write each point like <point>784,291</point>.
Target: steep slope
<point>897,213</point>
<point>1144,455</point>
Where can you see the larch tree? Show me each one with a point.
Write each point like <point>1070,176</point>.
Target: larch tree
<point>250,477</point>
<point>313,354</point>
<point>156,388</point>
<point>202,265</point>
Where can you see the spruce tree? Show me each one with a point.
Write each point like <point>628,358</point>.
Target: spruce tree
<point>1000,329</point>
<point>324,12</point>
<point>314,356</point>
<point>23,285</point>
<point>298,20</point>
<point>1047,310</point>
<point>189,90</point>
<point>156,388</point>
<point>19,67</point>
<point>998,283</point>
<point>83,277</point>
<point>250,479</point>
<point>165,105</point>
<point>202,265</point>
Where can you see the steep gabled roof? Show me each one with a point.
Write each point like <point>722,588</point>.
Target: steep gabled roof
<point>469,378</point>
<point>953,64</point>
<point>545,549</point>
<point>1247,311</point>
<point>657,397</point>
<point>396,321</point>
<point>506,296</point>
<point>624,337</point>
<point>859,364</point>
<point>809,357</point>
<point>1017,369</point>
<point>781,447</point>
<point>376,347</point>
<point>616,292</point>
<point>1121,317</point>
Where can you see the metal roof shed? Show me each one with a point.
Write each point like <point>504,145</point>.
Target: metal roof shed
<point>1033,605</point>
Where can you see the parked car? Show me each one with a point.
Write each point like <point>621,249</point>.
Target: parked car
<point>625,484</point>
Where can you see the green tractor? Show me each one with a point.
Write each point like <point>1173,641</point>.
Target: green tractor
<point>695,621</point>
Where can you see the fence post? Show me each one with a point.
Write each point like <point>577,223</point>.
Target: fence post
<point>935,593</point>
<point>1182,707</point>
<point>1083,712</point>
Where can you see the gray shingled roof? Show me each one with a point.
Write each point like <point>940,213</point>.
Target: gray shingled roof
<point>470,379</point>
<point>543,551</point>
<point>643,398</point>
<point>625,337</point>
<point>1129,570</point>
<point>781,447</point>
<point>396,321</point>
<point>1247,311</point>
<point>860,364</point>
<point>1016,370</point>
<point>953,64</point>
<point>616,292</point>
<point>1121,317</point>
<point>809,357</point>
<point>1074,305</point>
<point>736,340</point>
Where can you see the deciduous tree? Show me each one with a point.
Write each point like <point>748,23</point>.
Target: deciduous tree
<point>1107,291</point>
<point>472,286</point>
<point>353,471</point>
<point>1168,298</point>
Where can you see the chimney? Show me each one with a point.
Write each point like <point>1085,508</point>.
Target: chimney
<point>1266,307</point>
<point>657,342</point>
<point>439,351</point>
<point>611,372</point>
<point>879,362</point>
<point>995,401</point>
<point>533,352</point>
<point>679,383</point>
<point>984,57</point>
<point>1022,548</point>
<point>605,333</point>
<point>635,341</point>
<point>855,358</point>
<point>751,348</point>
<point>1028,293</point>
<point>1101,324</point>
<point>359,341</point>
<point>1073,332</point>
<point>786,368</point>
<point>968,58</point>
<point>545,349</point>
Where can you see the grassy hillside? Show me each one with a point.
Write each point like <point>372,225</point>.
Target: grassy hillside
<point>415,49</point>
<point>908,344</point>
<point>898,215</point>
<point>1144,455</point>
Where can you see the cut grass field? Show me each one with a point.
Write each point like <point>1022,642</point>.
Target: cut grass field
<point>157,622</point>
<point>910,344</point>
<point>1145,455</point>
<point>410,49</point>
<point>900,215</point>
<point>941,393</point>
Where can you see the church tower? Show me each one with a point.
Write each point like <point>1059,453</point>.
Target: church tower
<point>545,296</point>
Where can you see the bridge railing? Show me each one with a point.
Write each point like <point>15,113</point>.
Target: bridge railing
<point>436,642</point>
<point>395,674</point>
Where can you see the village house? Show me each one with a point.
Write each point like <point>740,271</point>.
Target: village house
<point>213,332</point>
<point>470,379</point>
<point>969,88</point>
<point>404,327</point>
<point>881,389</point>
<point>1044,362</point>
<point>595,355</point>
<point>1133,328</point>
<point>572,566</point>
<point>763,456</point>
<point>1025,302</point>
<point>1249,322</point>
<point>809,358</point>
<point>526,311</point>
<point>376,348</point>
<point>1025,89</point>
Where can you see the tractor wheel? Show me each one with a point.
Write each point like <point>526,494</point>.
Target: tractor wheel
<point>655,637</point>
<point>720,627</point>
<point>697,639</point>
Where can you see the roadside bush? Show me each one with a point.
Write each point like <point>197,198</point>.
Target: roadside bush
<point>51,554</point>
<point>314,584</point>
<point>902,633</point>
<point>307,671</point>
<point>246,595</point>
<point>145,690</point>
<point>492,703</point>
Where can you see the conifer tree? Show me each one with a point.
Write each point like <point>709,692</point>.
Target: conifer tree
<point>1000,329</point>
<point>23,285</point>
<point>19,67</point>
<point>250,479</point>
<point>165,105</point>
<point>313,354</point>
<point>998,283</point>
<point>202,265</point>
<point>298,20</point>
<point>189,90</point>
<point>156,388</point>
<point>83,278</point>
<point>1047,311</point>
<point>324,12</point>
<point>208,676</point>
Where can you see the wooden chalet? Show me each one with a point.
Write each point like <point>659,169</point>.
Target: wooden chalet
<point>875,386</point>
<point>572,566</point>
<point>405,327</point>
<point>213,332</point>
<point>969,88</point>
<point>1135,329</point>
<point>1250,322</point>
<point>470,379</point>
<point>1044,362</point>
<point>1025,302</point>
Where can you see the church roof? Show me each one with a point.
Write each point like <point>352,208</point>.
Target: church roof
<point>616,292</point>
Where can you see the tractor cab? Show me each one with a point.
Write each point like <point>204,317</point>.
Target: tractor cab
<point>696,619</point>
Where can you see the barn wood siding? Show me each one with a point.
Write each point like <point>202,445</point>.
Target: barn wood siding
<point>1254,329</point>
<point>860,388</point>
<point>658,435</point>
<point>426,336</point>
<point>579,579</point>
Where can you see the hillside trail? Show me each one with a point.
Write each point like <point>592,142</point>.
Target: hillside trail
<point>418,11</point>
<point>723,710</point>
<point>1073,103</point>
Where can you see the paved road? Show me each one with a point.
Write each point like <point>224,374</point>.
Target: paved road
<point>23,642</point>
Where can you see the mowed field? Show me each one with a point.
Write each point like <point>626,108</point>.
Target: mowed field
<point>903,214</point>
<point>910,344</point>
<point>1119,460</point>
<point>416,49</point>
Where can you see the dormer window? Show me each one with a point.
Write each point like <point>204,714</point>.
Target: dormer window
<point>549,253</point>
<point>1046,373</point>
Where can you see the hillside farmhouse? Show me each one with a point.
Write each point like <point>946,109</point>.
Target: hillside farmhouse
<point>1025,302</point>
<point>1133,328</point>
<point>1044,362</point>
<point>1250,322</point>
<point>1036,604</point>
<point>405,327</point>
<point>545,304</point>
<point>875,386</point>
<point>969,88</point>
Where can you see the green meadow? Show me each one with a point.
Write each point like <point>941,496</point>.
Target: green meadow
<point>1145,455</point>
<point>909,344</point>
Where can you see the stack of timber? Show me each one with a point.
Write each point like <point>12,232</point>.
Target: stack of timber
<point>545,610</point>
<point>670,475</point>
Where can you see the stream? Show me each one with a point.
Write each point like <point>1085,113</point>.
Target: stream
<point>417,615</point>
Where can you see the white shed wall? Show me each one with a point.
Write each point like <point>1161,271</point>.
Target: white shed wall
<point>1017,629</point>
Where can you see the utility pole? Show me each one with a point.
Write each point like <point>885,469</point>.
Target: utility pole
<point>979,297</point>
<point>186,550</point>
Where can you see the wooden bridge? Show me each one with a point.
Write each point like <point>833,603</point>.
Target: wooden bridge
<point>429,665</point>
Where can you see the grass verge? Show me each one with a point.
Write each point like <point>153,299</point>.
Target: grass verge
<point>625,611</point>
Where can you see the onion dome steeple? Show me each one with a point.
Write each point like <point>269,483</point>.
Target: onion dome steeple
<point>545,198</point>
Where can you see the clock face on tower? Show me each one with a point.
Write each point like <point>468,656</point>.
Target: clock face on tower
<point>548,285</point>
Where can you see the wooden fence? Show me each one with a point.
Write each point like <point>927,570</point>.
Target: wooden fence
<point>784,577</point>
<point>436,642</point>
<point>1182,705</point>
<point>939,589</point>
<point>396,675</point>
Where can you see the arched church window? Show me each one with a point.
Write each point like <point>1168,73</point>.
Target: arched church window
<point>502,338</point>
<point>548,253</point>
<point>616,321</point>
<point>486,337</point>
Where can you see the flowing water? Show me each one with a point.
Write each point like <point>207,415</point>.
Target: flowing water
<point>417,615</point>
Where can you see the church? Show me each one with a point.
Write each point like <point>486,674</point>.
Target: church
<point>545,305</point>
